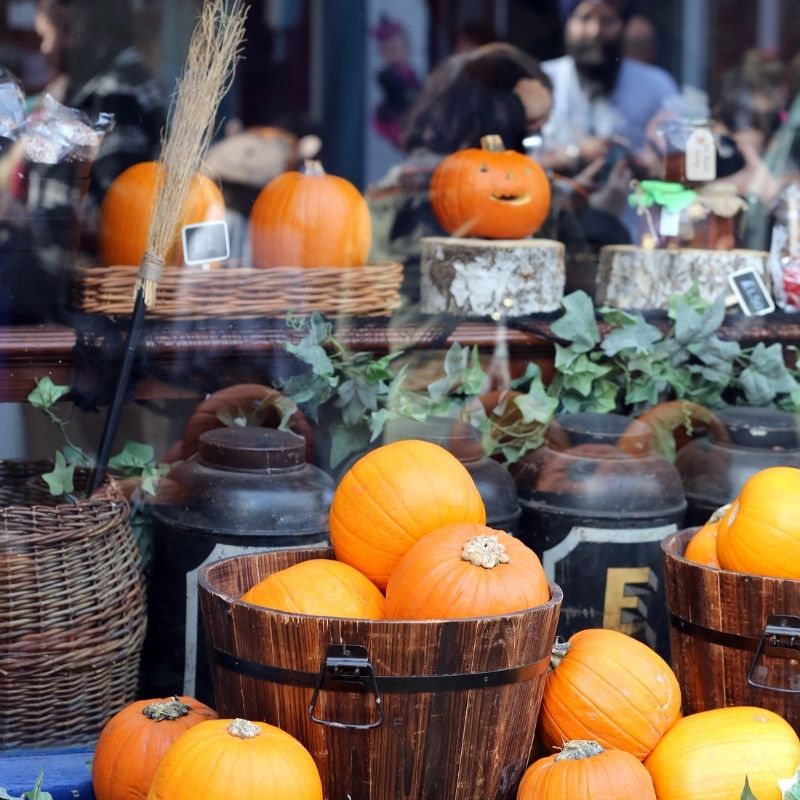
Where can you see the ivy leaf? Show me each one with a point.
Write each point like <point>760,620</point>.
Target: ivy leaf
<point>645,390</point>
<point>377,422</point>
<point>309,352</point>
<point>577,325</point>
<point>151,476</point>
<point>60,480</point>
<point>766,375</point>
<point>693,299</point>
<point>133,458</point>
<point>691,325</point>
<point>536,405</point>
<point>319,328</point>
<point>747,793</point>
<point>375,371</point>
<point>46,393</point>
<point>455,360</point>
<point>718,356</point>
<point>532,372</point>
<point>790,787</point>
<point>581,373</point>
<point>638,336</point>
<point>36,793</point>
<point>346,440</point>
<point>473,378</point>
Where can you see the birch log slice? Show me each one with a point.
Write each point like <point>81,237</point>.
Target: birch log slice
<point>635,278</point>
<point>491,277</point>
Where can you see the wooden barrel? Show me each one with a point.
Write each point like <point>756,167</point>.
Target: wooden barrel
<point>735,638</point>
<point>389,710</point>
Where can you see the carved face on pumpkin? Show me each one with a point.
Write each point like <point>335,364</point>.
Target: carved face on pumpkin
<point>491,193</point>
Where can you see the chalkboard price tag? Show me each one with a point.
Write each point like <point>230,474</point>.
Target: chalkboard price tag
<point>205,242</point>
<point>753,296</point>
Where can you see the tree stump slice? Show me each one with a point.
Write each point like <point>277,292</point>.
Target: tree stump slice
<point>635,278</point>
<point>491,277</point>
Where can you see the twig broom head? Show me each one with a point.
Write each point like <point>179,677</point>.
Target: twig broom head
<point>214,49</point>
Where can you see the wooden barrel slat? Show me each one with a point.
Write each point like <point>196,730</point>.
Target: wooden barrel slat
<point>726,614</point>
<point>470,744</point>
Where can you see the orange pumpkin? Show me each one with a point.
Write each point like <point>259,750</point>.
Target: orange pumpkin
<point>610,688</point>
<point>465,570</point>
<point>134,741</point>
<point>128,207</point>
<point>392,497</point>
<point>237,759</point>
<point>491,192</point>
<point>584,770</point>
<point>760,533</point>
<point>320,586</point>
<point>702,547</point>
<point>310,220</point>
<point>709,754</point>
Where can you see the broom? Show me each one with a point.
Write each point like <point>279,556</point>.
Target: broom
<point>214,49</point>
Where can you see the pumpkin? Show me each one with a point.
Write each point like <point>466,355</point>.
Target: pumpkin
<point>702,547</point>
<point>610,688</point>
<point>584,770</point>
<point>491,192</point>
<point>236,758</point>
<point>320,586</point>
<point>465,570</point>
<point>760,533</point>
<point>709,754</point>
<point>391,497</point>
<point>310,220</point>
<point>134,741</point>
<point>128,207</point>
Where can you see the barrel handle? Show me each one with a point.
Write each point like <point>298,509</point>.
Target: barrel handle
<point>349,664</point>
<point>780,639</point>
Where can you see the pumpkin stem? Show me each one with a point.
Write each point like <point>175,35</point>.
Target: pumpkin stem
<point>719,513</point>
<point>313,167</point>
<point>493,142</point>
<point>577,749</point>
<point>485,551</point>
<point>242,729</point>
<point>166,709</point>
<point>558,653</point>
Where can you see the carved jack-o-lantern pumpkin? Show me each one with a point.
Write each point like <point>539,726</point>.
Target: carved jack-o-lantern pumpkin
<point>491,192</point>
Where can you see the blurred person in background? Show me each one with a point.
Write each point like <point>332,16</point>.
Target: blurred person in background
<point>641,40</point>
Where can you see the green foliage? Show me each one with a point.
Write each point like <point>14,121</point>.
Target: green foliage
<point>747,793</point>
<point>134,460</point>
<point>790,787</point>
<point>34,794</point>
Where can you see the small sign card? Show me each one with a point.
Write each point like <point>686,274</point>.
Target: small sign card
<point>753,296</point>
<point>701,156</point>
<point>205,242</point>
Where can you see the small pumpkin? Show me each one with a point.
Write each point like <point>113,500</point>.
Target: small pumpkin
<point>128,207</point>
<point>237,758</point>
<point>134,741</point>
<point>491,192</point>
<point>391,497</point>
<point>610,688</point>
<point>583,770</point>
<point>760,533</point>
<point>310,219</point>
<point>708,754</point>
<point>702,547</point>
<point>322,587</point>
<point>465,570</point>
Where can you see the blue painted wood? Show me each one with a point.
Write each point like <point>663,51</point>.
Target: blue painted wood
<point>67,773</point>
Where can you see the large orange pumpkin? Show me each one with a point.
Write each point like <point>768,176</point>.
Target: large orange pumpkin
<point>708,755</point>
<point>760,533</point>
<point>610,688</point>
<point>310,220</point>
<point>465,570</point>
<point>134,741</point>
<point>491,192</point>
<point>237,759</point>
<point>320,586</point>
<point>702,547</point>
<point>393,496</point>
<point>583,770</point>
<point>128,207</point>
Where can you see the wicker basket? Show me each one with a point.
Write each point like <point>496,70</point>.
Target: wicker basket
<point>72,611</point>
<point>240,293</point>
